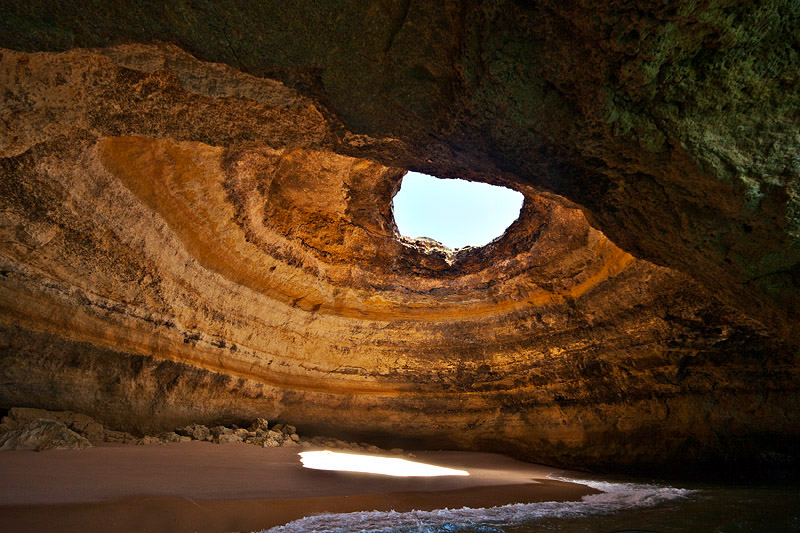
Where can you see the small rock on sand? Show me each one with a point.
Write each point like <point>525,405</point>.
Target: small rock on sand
<point>216,431</point>
<point>229,438</point>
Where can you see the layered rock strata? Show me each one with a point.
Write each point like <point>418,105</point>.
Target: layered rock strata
<point>674,124</point>
<point>184,243</point>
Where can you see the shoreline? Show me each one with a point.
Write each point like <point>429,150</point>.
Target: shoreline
<point>206,487</point>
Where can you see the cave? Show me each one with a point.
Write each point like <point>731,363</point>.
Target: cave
<point>198,225</point>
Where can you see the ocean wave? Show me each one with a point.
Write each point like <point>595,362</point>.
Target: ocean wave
<point>613,498</point>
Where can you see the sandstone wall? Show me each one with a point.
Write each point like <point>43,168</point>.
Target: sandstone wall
<point>673,124</point>
<point>186,243</point>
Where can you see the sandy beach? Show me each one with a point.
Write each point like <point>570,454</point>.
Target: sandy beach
<point>204,487</point>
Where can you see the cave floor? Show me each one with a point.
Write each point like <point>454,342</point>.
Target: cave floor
<point>198,486</point>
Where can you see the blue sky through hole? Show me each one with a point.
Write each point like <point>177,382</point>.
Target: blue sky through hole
<point>456,213</point>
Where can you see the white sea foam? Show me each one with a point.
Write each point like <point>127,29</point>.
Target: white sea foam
<point>614,497</point>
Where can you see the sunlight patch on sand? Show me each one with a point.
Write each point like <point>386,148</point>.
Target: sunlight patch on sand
<point>350,462</point>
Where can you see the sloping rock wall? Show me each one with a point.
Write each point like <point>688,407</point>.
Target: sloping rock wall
<point>183,242</point>
<point>673,124</point>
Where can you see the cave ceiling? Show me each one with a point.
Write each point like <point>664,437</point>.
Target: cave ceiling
<point>197,222</point>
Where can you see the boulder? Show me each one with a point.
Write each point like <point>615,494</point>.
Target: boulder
<point>269,442</point>
<point>259,424</point>
<point>216,431</point>
<point>119,437</point>
<point>194,431</point>
<point>228,438</point>
<point>42,434</point>
<point>170,436</point>
<point>82,424</point>
<point>87,427</point>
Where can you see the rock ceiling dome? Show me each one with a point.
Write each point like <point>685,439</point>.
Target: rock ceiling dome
<point>197,224</point>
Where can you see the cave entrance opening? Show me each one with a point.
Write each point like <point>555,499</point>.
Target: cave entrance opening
<point>456,213</point>
<point>372,464</point>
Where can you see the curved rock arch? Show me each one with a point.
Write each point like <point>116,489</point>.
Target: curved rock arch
<point>189,243</point>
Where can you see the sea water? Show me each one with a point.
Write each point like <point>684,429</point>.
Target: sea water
<point>621,506</point>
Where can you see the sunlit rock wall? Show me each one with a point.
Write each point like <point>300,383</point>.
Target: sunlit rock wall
<point>182,242</point>
<point>673,124</point>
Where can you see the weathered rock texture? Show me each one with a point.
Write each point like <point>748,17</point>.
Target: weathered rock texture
<point>41,434</point>
<point>80,424</point>
<point>186,241</point>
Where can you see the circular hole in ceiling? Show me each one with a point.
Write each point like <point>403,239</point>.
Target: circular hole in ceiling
<point>456,213</point>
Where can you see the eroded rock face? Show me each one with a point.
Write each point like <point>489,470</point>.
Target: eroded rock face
<point>674,124</point>
<point>81,424</point>
<point>40,435</point>
<point>185,243</point>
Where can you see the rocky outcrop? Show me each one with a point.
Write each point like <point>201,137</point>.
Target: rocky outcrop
<point>41,434</point>
<point>189,242</point>
<point>86,427</point>
<point>39,430</point>
<point>261,434</point>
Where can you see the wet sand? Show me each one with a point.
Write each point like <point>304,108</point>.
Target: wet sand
<point>198,486</point>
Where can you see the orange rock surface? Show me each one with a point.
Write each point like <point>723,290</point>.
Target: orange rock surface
<point>184,243</point>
